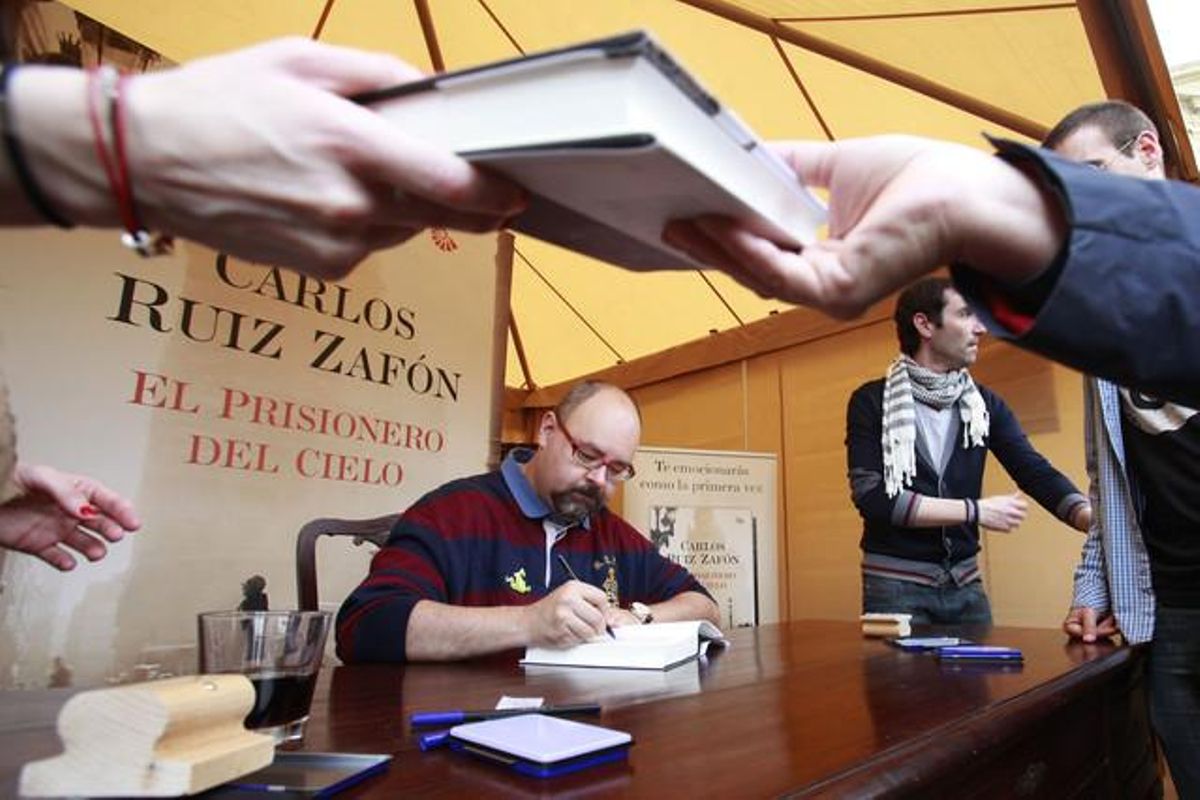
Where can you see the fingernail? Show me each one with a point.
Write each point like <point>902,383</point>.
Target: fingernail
<point>88,510</point>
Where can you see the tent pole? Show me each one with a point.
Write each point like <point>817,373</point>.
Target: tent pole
<point>520,348</point>
<point>316,34</point>
<point>872,66</point>
<point>429,31</point>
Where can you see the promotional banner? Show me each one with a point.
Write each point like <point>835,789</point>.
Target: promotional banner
<point>714,513</point>
<point>232,403</point>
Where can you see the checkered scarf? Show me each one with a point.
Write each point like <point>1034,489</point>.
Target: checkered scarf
<point>907,383</point>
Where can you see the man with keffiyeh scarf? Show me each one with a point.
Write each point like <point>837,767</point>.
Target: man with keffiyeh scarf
<point>917,442</point>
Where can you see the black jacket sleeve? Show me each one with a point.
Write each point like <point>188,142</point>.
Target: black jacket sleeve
<point>864,458</point>
<point>1126,301</point>
<point>1036,476</point>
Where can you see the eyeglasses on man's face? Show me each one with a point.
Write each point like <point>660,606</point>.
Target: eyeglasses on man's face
<point>589,459</point>
<point>1105,164</point>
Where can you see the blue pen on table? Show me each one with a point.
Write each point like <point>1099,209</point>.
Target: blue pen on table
<point>424,719</point>
<point>567,566</point>
<point>432,741</point>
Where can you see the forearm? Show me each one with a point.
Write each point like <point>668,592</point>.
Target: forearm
<point>47,113</point>
<point>256,153</point>
<point>932,512</point>
<point>1090,585</point>
<point>441,632</point>
<point>686,606</point>
<point>1013,231</point>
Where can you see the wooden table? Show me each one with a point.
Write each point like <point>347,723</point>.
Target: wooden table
<point>807,708</point>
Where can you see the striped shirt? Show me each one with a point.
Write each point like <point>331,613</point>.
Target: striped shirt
<point>480,541</point>
<point>1114,568</point>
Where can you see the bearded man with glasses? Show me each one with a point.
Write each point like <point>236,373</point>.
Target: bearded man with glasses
<point>525,555</point>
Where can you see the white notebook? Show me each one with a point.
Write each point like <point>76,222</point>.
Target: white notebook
<point>660,645</point>
<point>613,138</point>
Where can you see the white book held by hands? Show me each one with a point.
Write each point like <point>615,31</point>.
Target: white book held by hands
<point>659,645</point>
<point>613,138</point>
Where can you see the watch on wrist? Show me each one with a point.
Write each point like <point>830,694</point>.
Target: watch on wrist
<point>642,612</point>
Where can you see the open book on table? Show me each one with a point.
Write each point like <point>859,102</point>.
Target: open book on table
<point>659,645</point>
<point>613,138</point>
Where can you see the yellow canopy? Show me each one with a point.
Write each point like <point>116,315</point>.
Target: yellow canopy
<point>792,69</point>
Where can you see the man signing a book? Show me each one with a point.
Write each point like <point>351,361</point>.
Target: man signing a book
<point>525,555</point>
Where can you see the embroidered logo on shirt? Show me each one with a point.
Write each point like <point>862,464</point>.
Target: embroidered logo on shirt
<point>517,582</point>
<point>611,587</point>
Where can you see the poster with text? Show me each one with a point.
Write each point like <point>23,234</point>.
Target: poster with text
<point>713,512</point>
<point>232,403</point>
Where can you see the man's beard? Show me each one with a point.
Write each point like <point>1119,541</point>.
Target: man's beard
<point>577,502</point>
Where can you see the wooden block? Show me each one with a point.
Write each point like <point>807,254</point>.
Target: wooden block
<point>153,739</point>
<point>889,626</point>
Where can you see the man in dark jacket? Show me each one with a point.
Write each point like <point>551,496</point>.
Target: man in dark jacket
<point>916,444</point>
<point>1140,569</point>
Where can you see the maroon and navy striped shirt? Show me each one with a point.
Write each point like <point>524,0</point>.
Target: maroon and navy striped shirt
<point>480,541</point>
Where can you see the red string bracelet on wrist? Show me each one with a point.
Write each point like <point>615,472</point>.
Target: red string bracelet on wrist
<point>106,86</point>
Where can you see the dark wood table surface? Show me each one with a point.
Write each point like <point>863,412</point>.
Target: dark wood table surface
<point>804,708</point>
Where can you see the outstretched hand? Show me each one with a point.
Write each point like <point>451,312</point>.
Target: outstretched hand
<point>258,153</point>
<point>899,206</point>
<point>58,513</point>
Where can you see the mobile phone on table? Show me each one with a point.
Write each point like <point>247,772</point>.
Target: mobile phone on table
<point>312,776</point>
<point>921,644</point>
<point>979,652</point>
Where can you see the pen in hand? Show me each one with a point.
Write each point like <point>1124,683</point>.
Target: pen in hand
<point>566,565</point>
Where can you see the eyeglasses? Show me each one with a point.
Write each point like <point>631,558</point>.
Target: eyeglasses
<point>589,459</point>
<point>1106,164</point>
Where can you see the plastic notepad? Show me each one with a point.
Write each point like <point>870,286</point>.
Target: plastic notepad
<point>540,745</point>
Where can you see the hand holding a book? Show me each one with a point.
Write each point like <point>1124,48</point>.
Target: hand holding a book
<point>57,513</point>
<point>257,153</point>
<point>572,613</point>
<point>899,206</point>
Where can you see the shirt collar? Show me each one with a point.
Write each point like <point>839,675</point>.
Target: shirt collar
<point>531,505</point>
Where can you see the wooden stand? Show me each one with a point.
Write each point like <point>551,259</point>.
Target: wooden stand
<point>885,625</point>
<point>154,739</point>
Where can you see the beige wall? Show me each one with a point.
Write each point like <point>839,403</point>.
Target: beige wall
<point>792,402</point>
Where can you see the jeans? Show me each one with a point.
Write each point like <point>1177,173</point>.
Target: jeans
<point>1174,683</point>
<point>946,604</point>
